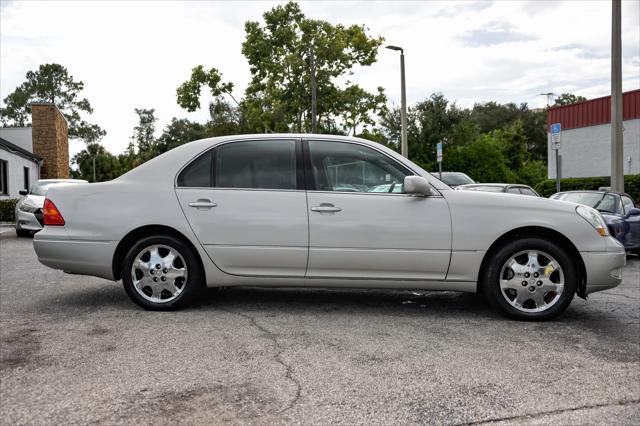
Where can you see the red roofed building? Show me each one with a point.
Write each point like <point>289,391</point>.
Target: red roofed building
<point>585,147</point>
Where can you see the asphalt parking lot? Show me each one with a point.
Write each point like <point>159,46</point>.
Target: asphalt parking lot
<point>75,350</point>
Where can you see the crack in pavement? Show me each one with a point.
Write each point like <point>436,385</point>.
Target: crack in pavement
<point>619,295</point>
<point>288,369</point>
<point>551,412</point>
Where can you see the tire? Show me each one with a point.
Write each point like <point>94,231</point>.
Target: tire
<point>22,233</point>
<point>183,276</point>
<point>545,295</point>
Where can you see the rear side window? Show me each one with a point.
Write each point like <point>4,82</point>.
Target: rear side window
<point>514,190</point>
<point>198,173</point>
<point>269,164</point>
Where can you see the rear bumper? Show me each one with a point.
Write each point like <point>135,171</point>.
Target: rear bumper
<point>604,269</point>
<point>76,256</point>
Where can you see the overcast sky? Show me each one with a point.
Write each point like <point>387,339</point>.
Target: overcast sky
<point>134,55</point>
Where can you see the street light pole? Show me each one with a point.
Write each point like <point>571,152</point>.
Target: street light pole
<point>617,170</point>
<point>404,147</point>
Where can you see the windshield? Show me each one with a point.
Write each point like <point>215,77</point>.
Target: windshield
<point>41,188</point>
<point>455,179</point>
<point>601,202</point>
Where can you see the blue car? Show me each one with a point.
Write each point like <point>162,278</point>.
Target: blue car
<point>618,211</point>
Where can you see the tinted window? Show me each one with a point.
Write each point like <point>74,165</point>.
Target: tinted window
<point>455,178</point>
<point>514,190</point>
<point>627,203</point>
<point>346,167</point>
<point>198,173</point>
<point>527,191</point>
<point>256,164</point>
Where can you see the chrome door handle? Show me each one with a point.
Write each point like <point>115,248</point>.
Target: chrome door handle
<point>326,208</point>
<point>202,204</point>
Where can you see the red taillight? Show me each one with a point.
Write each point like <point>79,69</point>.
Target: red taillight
<point>51,214</point>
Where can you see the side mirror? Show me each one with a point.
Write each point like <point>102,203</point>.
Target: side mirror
<point>633,212</point>
<point>417,185</point>
<point>23,192</point>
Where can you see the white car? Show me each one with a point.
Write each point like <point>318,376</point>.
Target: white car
<point>297,210</point>
<point>28,211</point>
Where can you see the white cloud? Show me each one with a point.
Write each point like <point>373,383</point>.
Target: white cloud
<point>135,54</point>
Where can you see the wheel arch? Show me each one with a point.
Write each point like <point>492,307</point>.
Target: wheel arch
<point>540,232</point>
<point>144,231</point>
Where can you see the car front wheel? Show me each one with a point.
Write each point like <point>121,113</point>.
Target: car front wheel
<point>161,273</point>
<point>531,279</point>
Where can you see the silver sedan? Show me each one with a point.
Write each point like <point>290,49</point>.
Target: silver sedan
<point>321,211</point>
<point>28,211</point>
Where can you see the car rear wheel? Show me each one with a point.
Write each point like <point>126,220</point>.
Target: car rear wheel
<point>531,279</point>
<point>161,273</point>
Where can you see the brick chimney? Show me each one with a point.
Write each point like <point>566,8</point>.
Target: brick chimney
<point>50,140</point>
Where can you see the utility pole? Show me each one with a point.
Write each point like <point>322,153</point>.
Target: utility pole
<point>617,170</point>
<point>549,96</point>
<point>314,101</point>
<point>404,147</point>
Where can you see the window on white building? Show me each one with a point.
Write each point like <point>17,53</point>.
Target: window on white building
<point>26,178</point>
<point>4,183</point>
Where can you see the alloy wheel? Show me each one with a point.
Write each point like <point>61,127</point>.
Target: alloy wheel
<point>532,281</point>
<point>159,273</point>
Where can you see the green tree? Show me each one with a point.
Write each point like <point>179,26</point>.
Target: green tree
<point>279,54</point>
<point>189,92</point>
<point>490,116</point>
<point>568,98</point>
<point>143,134</point>
<point>179,132</point>
<point>107,166</point>
<point>51,83</point>
<point>483,160</point>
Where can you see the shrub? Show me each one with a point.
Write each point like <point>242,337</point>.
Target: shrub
<point>7,209</point>
<point>631,185</point>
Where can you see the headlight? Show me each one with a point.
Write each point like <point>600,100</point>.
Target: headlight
<point>593,217</point>
<point>27,208</point>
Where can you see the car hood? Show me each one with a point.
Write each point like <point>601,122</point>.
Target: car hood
<point>506,201</point>
<point>33,200</point>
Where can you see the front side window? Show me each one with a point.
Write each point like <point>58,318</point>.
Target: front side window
<point>627,203</point>
<point>4,184</point>
<point>256,165</point>
<point>514,190</point>
<point>347,167</point>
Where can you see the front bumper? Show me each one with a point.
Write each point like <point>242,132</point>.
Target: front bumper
<point>27,221</point>
<point>604,269</point>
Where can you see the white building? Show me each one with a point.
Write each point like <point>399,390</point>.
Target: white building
<point>585,147</point>
<point>31,153</point>
<point>19,166</point>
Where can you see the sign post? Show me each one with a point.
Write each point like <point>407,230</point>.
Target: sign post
<point>556,137</point>
<point>439,153</point>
